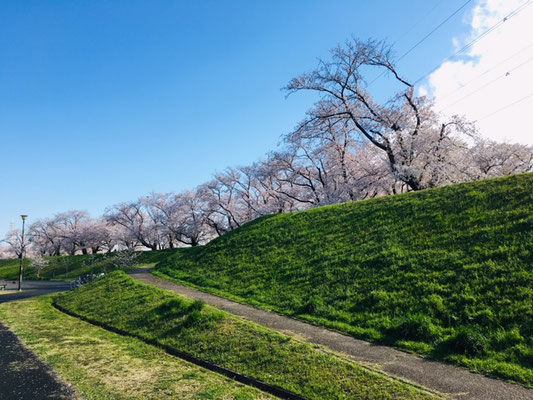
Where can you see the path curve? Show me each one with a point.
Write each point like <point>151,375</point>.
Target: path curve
<point>23,376</point>
<point>456,382</point>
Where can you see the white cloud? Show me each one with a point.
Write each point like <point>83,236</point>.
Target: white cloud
<point>492,74</point>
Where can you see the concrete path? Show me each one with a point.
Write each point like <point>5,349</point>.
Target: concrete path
<point>444,378</point>
<point>31,289</point>
<point>23,376</point>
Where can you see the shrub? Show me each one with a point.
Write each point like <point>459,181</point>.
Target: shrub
<point>506,339</point>
<point>466,340</point>
<point>483,318</point>
<point>314,306</point>
<point>524,354</point>
<point>415,327</point>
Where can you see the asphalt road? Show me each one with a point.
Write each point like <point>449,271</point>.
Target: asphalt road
<point>30,289</point>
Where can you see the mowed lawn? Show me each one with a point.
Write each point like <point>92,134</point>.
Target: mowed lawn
<point>103,365</point>
<point>446,273</point>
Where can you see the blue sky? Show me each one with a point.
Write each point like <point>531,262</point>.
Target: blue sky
<point>104,101</point>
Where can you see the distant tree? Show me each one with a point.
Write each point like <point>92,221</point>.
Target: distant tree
<point>38,263</point>
<point>15,247</point>
<point>72,227</point>
<point>491,159</point>
<point>125,259</point>
<point>5,252</point>
<point>96,235</point>
<point>270,177</point>
<point>220,206</point>
<point>191,228</point>
<point>46,237</point>
<point>137,224</point>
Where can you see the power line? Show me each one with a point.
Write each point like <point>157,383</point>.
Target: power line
<point>508,73</point>
<point>399,38</point>
<point>424,38</point>
<point>505,108</point>
<point>513,13</point>
<point>432,31</point>
<point>485,72</point>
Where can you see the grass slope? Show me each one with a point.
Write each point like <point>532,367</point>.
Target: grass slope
<point>232,342</point>
<point>102,365</point>
<point>447,272</point>
<point>67,268</point>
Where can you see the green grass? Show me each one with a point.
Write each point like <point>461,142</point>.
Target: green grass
<point>67,268</point>
<point>216,336</point>
<point>446,273</point>
<point>101,365</point>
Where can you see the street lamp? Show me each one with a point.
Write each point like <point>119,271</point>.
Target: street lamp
<point>21,252</point>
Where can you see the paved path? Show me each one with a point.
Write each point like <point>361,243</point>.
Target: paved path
<point>23,376</point>
<point>31,289</point>
<point>444,378</point>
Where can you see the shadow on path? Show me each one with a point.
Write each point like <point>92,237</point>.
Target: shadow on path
<point>23,376</point>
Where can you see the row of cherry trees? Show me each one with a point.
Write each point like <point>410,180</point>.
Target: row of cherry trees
<point>349,146</point>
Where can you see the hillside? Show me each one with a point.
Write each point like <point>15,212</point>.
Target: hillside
<point>447,273</point>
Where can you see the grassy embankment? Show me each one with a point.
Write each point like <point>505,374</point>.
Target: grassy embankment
<point>67,268</point>
<point>446,273</point>
<point>101,365</point>
<point>210,334</point>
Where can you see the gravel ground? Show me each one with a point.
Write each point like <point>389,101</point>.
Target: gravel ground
<point>456,382</point>
<point>23,376</point>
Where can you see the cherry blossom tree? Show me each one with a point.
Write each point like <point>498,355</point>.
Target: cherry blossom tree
<point>350,145</point>
<point>271,180</point>
<point>180,217</point>
<point>138,223</point>
<point>72,227</point>
<point>96,235</point>
<point>5,252</point>
<point>191,228</point>
<point>221,207</point>
<point>491,159</point>
<point>38,263</point>
<point>15,246</point>
<point>403,127</point>
<point>46,237</point>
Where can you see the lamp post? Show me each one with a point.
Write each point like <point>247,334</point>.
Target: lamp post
<point>21,252</point>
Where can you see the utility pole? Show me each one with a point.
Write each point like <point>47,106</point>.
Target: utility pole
<point>21,252</point>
